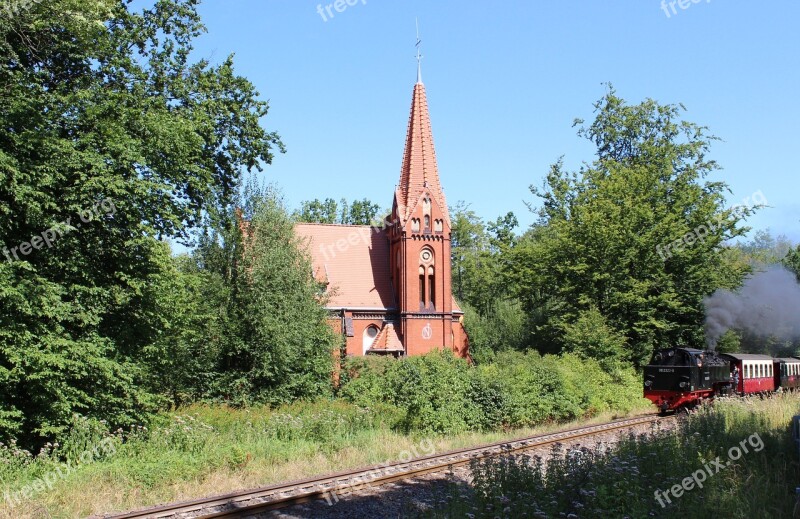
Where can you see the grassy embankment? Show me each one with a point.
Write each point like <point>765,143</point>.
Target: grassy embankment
<point>434,403</point>
<point>624,481</point>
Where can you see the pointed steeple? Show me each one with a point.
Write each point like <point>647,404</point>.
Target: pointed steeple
<point>419,173</point>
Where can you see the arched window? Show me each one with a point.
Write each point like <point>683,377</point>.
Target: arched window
<point>422,287</point>
<point>431,289</point>
<point>426,206</point>
<point>415,225</point>
<point>369,337</point>
<point>438,225</point>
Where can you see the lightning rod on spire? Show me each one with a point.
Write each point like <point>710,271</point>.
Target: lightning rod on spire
<point>419,55</point>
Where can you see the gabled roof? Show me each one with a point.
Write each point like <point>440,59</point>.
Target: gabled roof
<point>387,340</point>
<point>419,169</point>
<point>354,260</point>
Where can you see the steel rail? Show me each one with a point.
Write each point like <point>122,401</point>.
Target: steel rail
<point>343,483</point>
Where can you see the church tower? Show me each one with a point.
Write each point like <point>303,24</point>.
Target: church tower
<point>420,244</point>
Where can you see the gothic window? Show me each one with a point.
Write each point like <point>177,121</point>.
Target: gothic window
<point>431,288</point>
<point>427,223</point>
<point>415,225</point>
<point>369,337</point>
<point>437,226</point>
<point>422,287</point>
<point>426,206</point>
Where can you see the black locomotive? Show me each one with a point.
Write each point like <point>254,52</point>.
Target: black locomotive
<point>679,377</point>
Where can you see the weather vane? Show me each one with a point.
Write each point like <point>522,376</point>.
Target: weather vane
<point>419,55</point>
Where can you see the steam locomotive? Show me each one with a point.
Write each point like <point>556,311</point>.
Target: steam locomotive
<point>683,377</point>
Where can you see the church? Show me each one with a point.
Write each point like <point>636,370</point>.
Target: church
<point>389,288</point>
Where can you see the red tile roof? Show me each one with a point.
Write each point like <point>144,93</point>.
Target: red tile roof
<point>354,259</point>
<point>387,340</point>
<point>419,167</point>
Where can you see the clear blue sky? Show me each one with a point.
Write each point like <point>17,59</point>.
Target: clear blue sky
<point>505,81</point>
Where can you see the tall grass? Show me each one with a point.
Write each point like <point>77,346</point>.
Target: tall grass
<point>206,450</point>
<point>385,408</point>
<point>623,481</point>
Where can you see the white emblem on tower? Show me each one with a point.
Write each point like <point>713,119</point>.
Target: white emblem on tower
<point>427,332</point>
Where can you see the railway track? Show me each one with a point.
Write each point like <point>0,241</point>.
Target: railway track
<point>278,496</point>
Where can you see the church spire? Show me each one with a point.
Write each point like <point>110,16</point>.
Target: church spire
<point>419,173</point>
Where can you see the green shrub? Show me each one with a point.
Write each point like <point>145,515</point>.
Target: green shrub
<point>442,394</point>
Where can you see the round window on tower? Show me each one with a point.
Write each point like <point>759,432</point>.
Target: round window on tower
<point>426,256</point>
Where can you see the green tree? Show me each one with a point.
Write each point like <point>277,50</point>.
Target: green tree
<point>277,346</point>
<point>764,249</point>
<point>111,139</point>
<point>316,211</point>
<point>358,212</point>
<point>478,256</point>
<point>792,261</point>
<point>590,337</point>
<point>636,234</point>
<point>362,212</point>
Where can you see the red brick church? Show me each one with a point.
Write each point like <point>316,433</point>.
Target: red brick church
<point>389,287</point>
